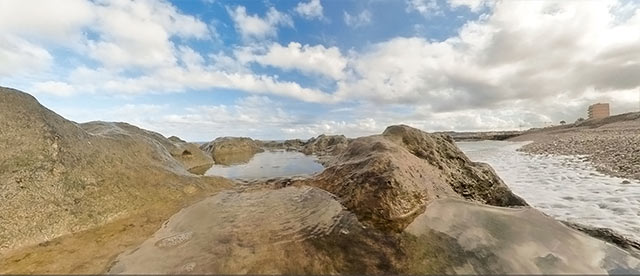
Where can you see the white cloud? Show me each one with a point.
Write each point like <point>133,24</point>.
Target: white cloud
<point>128,33</point>
<point>308,59</point>
<point>253,26</point>
<point>525,52</point>
<point>18,56</point>
<point>46,20</point>
<point>523,61</point>
<point>53,87</point>
<point>473,5</point>
<point>178,79</point>
<point>310,10</point>
<point>424,7</point>
<point>137,33</point>
<point>359,20</point>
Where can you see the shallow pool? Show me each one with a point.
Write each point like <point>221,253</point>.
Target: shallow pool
<point>270,164</point>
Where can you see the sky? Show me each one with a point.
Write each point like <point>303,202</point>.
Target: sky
<point>268,69</point>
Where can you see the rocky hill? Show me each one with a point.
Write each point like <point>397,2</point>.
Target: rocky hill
<point>58,177</point>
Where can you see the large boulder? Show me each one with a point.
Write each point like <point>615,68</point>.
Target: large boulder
<point>232,150</point>
<point>58,177</point>
<point>388,179</point>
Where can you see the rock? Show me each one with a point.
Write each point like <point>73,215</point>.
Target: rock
<point>304,230</point>
<point>290,145</point>
<point>192,157</point>
<point>58,177</point>
<point>325,147</point>
<point>608,235</point>
<point>232,150</point>
<point>176,139</point>
<point>189,155</point>
<point>625,182</point>
<point>387,180</point>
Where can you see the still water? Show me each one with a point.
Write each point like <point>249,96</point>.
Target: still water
<point>270,164</point>
<point>564,187</point>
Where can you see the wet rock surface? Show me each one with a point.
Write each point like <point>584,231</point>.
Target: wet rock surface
<point>232,150</point>
<point>305,230</point>
<point>58,177</point>
<point>608,235</point>
<point>611,144</point>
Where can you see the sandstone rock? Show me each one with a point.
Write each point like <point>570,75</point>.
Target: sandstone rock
<point>58,178</point>
<point>325,147</point>
<point>608,235</point>
<point>303,230</point>
<point>387,180</point>
<point>176,139</point>
<point>291,144</point>
<point>232,150</point>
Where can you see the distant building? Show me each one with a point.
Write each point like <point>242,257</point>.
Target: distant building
<point>598,111</point>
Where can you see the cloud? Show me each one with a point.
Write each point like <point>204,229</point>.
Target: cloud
<point>18,57</point>
<point>53,87</point>
<point>516,54</point>
<point>310,10</point>
<point>520,63</point>
<point>473,5</point>
<point>46,20</point>
<point>253,26</point>
<point>115,33</point>
<point>305,58</point>
<point>424,7</point>
<point>138,33</point>
<point>357,21</point>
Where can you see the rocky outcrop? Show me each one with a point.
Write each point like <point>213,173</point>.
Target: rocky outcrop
<point>290,145</point>
<point>176,139</point>
<point>189,155</point>
<point>388,179</point>
<point>58,177</point>
<point>325,147</point>
<point>194,159</point>
<point>232,150</point>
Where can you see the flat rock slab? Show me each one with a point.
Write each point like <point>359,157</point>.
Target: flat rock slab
<point>305,230</point>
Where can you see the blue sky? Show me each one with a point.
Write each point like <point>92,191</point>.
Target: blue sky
<point>288,69</point>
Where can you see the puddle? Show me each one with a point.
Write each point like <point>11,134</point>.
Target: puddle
<point>270,164</point>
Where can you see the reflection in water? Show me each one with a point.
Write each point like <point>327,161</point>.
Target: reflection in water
<point>565,187</point>
<point>270,164</point>
<point>236,158</point>
<point>305,230</point>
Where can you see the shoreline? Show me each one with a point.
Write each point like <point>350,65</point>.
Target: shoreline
<point>612,152</point>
